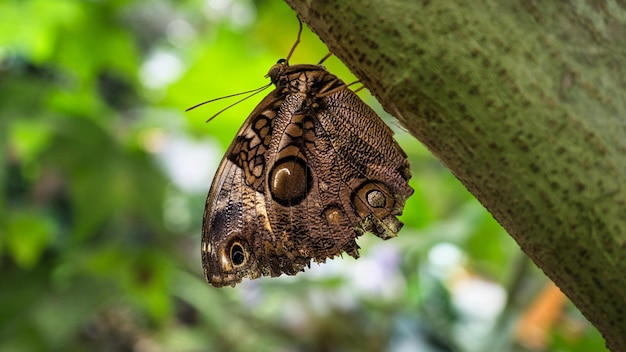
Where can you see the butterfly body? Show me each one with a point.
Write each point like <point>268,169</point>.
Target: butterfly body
<point>311,169</point>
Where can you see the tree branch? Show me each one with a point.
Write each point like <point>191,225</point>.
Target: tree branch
<point>524,102</point>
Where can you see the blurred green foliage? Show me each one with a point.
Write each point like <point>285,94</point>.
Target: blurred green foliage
<point>103,179</point>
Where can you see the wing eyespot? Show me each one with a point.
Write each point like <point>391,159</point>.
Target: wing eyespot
<point>237,254</point>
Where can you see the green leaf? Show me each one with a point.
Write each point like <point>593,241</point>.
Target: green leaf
<point>28,235</point>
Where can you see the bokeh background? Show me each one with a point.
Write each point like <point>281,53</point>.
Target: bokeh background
<point>103,180</point>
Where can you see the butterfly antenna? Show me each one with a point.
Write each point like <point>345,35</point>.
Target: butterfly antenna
<point>254,92</point>
<point>297,40</point>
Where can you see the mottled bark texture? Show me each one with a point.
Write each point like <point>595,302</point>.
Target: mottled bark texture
<point>525,102</point>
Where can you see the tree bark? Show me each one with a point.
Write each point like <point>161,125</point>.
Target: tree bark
<point>525,102</point>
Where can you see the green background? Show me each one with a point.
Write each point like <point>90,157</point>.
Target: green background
<point>104,176</point>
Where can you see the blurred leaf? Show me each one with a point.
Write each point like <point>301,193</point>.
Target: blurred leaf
<point>28,235</point>
<point>36,40</point>
<point>28,139</point>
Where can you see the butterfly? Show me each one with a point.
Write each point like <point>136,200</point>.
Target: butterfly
<point>312,168</point>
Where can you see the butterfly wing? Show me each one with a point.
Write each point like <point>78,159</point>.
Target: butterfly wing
<point>235,218</point>
<point>311,169</point>
<point>334,172</point>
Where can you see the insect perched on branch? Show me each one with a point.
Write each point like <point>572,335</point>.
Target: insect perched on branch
<point>311,169</point>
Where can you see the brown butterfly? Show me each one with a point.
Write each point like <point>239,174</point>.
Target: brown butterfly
<point>311,169</point>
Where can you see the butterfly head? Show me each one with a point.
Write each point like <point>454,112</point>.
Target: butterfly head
<point>277,70</point>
